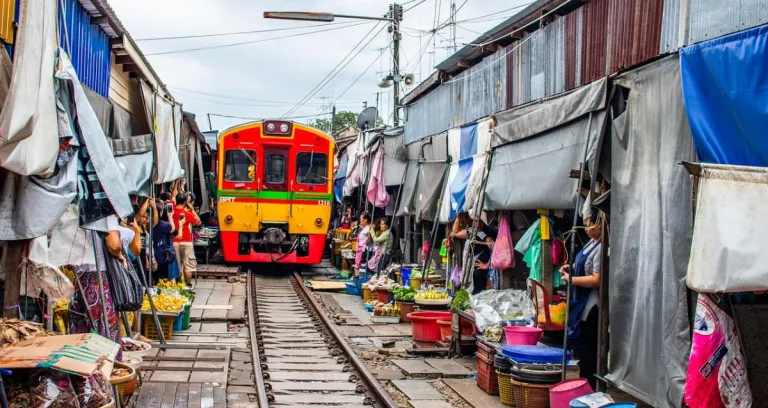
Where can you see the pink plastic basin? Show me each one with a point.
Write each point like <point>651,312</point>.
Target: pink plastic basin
<point>522,336</point>
<point>424,325</point>
<point>561,394</point>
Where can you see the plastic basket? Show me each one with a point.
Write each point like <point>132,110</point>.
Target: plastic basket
<point>149,330</point>
<point>368,295</point>
<point>486,376</point>
<point>530,395</point>
<point>506,394</point>
<point>187,314</point>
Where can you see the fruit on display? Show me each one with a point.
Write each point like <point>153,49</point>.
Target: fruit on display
<point>386,310</point>
<point>431,294</point>
<point>167,284</point>
<point>165,302</point>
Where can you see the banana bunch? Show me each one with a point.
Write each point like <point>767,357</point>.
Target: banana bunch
<point>167,284</point>
<point>432,295</point>
<point>165,303</point>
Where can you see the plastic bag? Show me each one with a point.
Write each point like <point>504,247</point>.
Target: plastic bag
<point>94,391</point>
<point>717,372</point>
<point>456,277</point>
<point>493,307</point>
<point>503,256</point>
<point>42,389</point>
<point>127,290</point>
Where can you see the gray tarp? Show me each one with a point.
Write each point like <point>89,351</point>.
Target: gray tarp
<point>533,173</point>
<point>101,107</point>
<point>131,145</point>
<point>650,236</point>
<point>429,190</point>
<point>430,149</point>
<point>405,206</point>
<point>138,172</point>
<point>538,117</point>
<point>166,118</point>
<point>395,156</point>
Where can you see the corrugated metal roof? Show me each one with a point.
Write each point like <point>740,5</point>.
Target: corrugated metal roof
<point>635,30</point>
<point>87,45</point>
<point>715,18</point>
<point>670,27</point>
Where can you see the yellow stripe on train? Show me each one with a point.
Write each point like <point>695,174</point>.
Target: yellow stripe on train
<point>302,217</point>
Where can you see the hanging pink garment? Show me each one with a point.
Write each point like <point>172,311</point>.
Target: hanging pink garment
<point>377,191</point>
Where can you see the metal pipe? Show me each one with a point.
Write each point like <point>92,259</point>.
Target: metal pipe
<point>257,373</point>
<point>370,381</point>
<point>573,242</point>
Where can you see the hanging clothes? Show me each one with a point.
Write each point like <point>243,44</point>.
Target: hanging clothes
<point>532,254</point>
<point>377,190</point>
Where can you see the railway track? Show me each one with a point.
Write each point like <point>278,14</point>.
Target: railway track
<point>300,359</point>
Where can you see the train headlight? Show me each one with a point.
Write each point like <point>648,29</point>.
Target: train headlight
<point>229,219</point>
<point>319,222</point>
<point>283,127</point>
<point>270,127</point>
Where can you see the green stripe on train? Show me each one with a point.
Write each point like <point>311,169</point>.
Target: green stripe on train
<point>276,195</point>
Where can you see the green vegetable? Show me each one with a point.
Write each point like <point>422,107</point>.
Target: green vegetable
<point>461,300</point>
<point>404,294</point>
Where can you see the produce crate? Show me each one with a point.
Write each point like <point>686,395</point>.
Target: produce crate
<point>486,376</point>
<point>149,330</point>
<point>486,351</point>
<point>385,319</point>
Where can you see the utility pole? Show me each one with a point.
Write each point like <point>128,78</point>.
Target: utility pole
<point>210,127</point>
<point>397,14</point>
<point>453,25</point>
<point>333,116</point>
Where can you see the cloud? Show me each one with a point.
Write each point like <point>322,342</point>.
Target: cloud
<point>285,70</point>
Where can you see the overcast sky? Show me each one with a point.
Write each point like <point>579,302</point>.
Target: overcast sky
<point>267,78</point>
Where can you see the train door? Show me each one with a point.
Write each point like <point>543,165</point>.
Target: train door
<point>276,186</point>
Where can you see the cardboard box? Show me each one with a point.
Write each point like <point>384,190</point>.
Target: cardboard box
<point>80,354</point>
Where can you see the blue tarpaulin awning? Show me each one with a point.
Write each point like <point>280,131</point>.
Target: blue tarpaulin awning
<point>725,89</point>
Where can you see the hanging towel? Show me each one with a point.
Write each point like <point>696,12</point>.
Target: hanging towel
<point>377,190</point>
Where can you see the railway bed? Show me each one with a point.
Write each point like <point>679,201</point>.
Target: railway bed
<point>300,358</point>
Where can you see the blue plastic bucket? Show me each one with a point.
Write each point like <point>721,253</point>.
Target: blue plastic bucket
<point>178,322</point>
<point>405,275</point>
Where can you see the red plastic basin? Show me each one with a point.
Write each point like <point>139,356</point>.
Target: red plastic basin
<point>424,325</point>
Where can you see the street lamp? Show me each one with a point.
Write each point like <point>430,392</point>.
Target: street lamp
<point>394,16</point>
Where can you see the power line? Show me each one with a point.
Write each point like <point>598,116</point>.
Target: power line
<point>256,41</point>
<point>361,75</point>
<point>259,119</point>
<point>338,68</point>
<point>414,6</point>
<point>269,30</point>
<point>190,91</point>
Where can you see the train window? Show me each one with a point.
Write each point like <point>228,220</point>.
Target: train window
<point>275,169</point>
<point>240,165</point>
<point>312,168</point>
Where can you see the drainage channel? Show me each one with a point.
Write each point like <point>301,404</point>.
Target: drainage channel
<point>304,361</point>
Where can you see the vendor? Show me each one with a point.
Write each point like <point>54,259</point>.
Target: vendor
<point>346,220</point>
<point>382,246</point>
<point>362,240</point>
<point>481,250</point>
<point>583,298</point>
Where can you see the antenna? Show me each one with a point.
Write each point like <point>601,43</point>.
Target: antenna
<point>367,118</point>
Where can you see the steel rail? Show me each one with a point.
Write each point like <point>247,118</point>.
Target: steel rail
<point>370,382</point>
<point>257,373</point>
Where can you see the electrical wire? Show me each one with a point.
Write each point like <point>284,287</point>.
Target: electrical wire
<point>258,119</point>
<point>269,30</point>
<point>414,6</point>
<point>237,98</point>
<point>523,27</point>
<point>338,68</point>
<point>361,75</point>
<point>256,41</point>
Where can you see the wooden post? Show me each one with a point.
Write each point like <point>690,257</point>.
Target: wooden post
<point>602,330</point>
<point>547,277</point>
<point>14,254</point>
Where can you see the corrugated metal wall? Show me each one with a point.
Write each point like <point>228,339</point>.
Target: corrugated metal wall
<point>574,35</point>
<point>7,17</point>
<point>708,19</point>
<point>475,93</point>
<point>715,18</point>
<point>90,50</point>
<point>536,65</point>
<point>635,31</point>
<point>594,44</point>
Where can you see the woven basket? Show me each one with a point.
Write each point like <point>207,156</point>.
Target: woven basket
<point>530,395</point>
<point>505,390</point>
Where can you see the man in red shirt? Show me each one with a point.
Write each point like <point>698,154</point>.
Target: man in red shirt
<point>182,243</point>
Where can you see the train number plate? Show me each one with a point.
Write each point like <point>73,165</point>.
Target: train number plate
<point>324,203</point>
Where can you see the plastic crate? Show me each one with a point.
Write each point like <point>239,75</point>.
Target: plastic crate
<point>149,329</point>
<point>486,376</point>
<point>506,394</point>
<point>352,289</point>
<point>486,351</point>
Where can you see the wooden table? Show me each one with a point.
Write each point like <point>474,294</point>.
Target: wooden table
<point>457,340</point>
